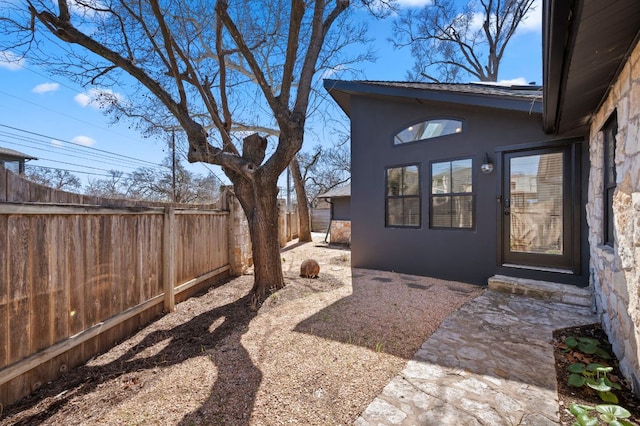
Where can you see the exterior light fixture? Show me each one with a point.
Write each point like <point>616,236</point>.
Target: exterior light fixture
<point>487,165</point>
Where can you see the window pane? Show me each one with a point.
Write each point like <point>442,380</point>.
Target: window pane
<point>412,211</point>
<point>536,221</point>
<point>394,212</point>
<point>428,129</point>
<point>441,212</point>
<point>394,181</point>
<point>411,181</point>
<point>441,178</point>
<point>461,176</point>
<point>461,211</point>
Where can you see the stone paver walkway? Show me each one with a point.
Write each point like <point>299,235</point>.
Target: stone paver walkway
<point>489,363</point>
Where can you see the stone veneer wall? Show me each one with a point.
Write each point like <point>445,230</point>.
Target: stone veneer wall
<point>340,232</point>
<point>615,272</point>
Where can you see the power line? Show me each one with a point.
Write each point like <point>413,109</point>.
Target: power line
<point>68,170</point>
<point>30,144</point>
<point>84,146</point>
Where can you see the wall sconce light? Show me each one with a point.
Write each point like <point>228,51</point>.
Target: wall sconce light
<point>487,165</point>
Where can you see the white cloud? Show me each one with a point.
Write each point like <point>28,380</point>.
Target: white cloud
<point>83,140</point>
<point>82,99</point>
<point>45,87</point>
<point>533,21</point>
<point>413,3</point>
<point>329,72</point>
<point>56,143</point>
<point>11,61</point>
<point>98,98</point>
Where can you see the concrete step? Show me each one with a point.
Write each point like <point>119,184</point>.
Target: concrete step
<point>555,292</point>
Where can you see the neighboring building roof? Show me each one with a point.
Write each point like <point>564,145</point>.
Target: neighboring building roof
<point>337,192</point>
<point>585,43</point>
<point>7,153</point>
<point>519,98</point>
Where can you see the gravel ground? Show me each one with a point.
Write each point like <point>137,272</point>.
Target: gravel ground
<point>316,353</point>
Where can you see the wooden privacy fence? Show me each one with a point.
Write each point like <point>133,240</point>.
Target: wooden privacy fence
<point>79,273</point>
<point>77,278</point>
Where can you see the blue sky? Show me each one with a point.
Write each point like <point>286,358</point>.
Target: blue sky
<point>57,112</point>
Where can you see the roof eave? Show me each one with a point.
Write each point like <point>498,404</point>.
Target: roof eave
<point>555,34</point>
<point>341,91</point>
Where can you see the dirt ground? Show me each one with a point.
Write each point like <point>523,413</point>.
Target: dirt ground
<point>316,353</point>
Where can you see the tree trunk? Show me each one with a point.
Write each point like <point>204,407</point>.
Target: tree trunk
<point>258,199</point>
<point>304,231</point>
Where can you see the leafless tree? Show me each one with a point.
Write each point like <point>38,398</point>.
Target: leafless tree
<point>116,185</point>
<point>60,179</point>
<point>179,57</point>
<point>157,184</point>
<point>451,40</point>
<point>324,169</point>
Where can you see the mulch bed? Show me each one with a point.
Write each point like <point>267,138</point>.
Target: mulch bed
<point>585,395</point>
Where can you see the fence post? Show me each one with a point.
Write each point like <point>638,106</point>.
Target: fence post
<point>169,259</point>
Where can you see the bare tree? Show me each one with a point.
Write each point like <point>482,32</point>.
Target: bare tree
<point>451,41</point>
<point>324,169</point>
<point>116,185</point>
<point>178,57</point>
<point>157,184</point>
<point>60,179</point>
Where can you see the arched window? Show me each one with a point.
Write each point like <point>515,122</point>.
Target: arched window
<point>427,130</point>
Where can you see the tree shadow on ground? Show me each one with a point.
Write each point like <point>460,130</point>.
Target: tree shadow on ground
<point>188,340</point>
<point>388,312</point>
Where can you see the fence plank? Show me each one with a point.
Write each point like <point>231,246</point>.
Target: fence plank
<point>92,276</point>
<point>19,292</point>
<point>4,289</point>
<point>40,306</point>
<point>19,288</point>
<point>169,259</point>
<point>60,277</point>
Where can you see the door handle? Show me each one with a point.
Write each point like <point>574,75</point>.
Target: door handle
<point>506,213</point>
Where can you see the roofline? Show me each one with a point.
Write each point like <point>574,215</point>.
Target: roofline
<point>348,88</point>
<point>558,39</point>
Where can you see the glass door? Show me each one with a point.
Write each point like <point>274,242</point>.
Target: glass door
<point>536,208</point>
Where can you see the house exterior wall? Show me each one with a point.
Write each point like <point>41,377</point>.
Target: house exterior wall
<point>341,208</point>
<point>615,271</point>
<point>340,232</point>
<point>464,255</point>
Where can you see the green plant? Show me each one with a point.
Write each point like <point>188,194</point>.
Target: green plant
<point>586,345</point>
<point>613,415</point>
<point>594,375</point>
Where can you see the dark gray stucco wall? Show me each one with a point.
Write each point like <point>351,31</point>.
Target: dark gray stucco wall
<point>341,208</point>
<point>464,255</point>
